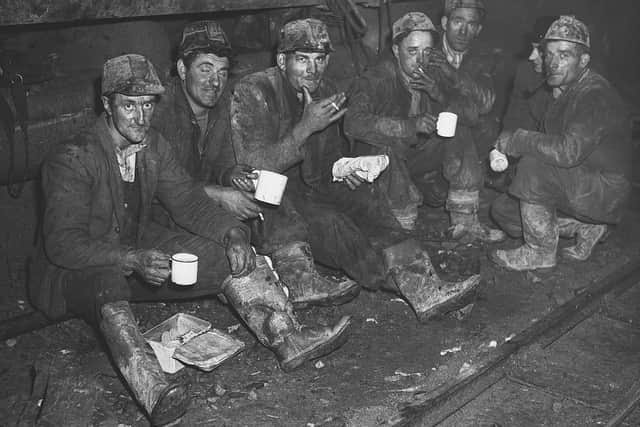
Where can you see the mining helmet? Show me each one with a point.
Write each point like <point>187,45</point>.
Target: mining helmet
<point>540,28</point>
<point>451,5</point>
<point>132,75</point>
<point>207,36</point>
<point>570,29</point>
<point>412,21</point>
<point>306,35</point>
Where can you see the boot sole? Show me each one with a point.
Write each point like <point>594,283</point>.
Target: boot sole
<point>322,349</point>
<point>163,416</point>
<point>498,262</point>
<point>457,302</point>
<point>331,300</point>
<point>601,240</point>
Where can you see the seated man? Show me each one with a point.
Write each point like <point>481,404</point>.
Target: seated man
<point>395,104</point>
<point>191,118</point>
<point>579,163</point>
<point>100,250</point>
<point>286,119</point>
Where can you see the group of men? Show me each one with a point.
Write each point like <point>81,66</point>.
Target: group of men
<point>169,167</point>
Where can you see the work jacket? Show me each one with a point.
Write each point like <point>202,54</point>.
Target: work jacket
<point>480,74</point>
<point>264,110</point>
<point>84,207</point>
<point>379,108</point>
<point>206,158</point>
<point>588,124</point>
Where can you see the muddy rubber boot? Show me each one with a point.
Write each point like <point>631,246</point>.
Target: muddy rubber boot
<point>540,230</point>
<point>411,272</point>
<point>465,225</point>
<point>261,302</point>
<point>295,267</point>
<point>164,401</point>
<point>587,236</point>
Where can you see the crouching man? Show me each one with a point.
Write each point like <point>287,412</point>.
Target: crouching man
<point>580,164</point>
<point>100,251</point>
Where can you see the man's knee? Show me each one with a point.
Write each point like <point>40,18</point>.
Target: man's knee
<point>534,181</point>
<point>85,291</point>
<point>505,211</point>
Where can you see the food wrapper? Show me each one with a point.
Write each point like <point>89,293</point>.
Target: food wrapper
<point>366,167</point>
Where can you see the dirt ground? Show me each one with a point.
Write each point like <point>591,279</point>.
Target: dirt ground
<point>60,375</point>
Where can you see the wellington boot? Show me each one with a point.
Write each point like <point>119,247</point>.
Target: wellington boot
<point>465,224</point>
<point>411,272</point>
<point>468,226</point>
<point>540,230</point>
<point>295,267</point>
<point>261,302</point>
<point>587,236</point>
<point>309,343</point>
<point>165,402</point>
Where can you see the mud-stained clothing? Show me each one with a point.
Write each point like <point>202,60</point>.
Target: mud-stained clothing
<point>382,113</point>
<point>205,155</point>
<point>264,110</point>
<point>208,155</point>
<point>579,162</point>
<point>84,209</point>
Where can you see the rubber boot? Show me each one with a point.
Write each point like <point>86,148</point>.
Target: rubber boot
<point>261,302</point>
<point>411,272</point>
<point>295,267</point>
<point>540,230</point>
<point>587,236</point>
<point>164,401</point>
<point>465,224</point>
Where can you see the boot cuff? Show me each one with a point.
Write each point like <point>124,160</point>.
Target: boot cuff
<point>463,201</point>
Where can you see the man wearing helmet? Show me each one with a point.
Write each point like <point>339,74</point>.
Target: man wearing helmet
<point>530,94</point>
<point>578,164</point>
<point>192,116</point>
<point>286,119</point>
<point>473,68</point>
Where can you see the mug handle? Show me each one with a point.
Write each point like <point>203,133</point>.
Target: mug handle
<point>255,180</point>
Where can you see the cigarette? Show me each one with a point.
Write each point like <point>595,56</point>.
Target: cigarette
<point>333,104</point>
<point>421,69</point>
<point>261,217</point>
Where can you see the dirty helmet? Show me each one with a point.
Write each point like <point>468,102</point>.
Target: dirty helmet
<point>132,75</point>
<point>206,36</point>
<point>570,29</point>
<point>305,35</point>
<point>451,5</point>
<point>412,21</point>
<point>540,28</point>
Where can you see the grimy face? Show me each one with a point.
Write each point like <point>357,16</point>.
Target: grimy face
<point>304,69</point>
<point>462,27</point>
<point>131,115</point>
<point>536,57</point>
<point>563,63</point>
<point>205,79</point>
<point>413,51</point>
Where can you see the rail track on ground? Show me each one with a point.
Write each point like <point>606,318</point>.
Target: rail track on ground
<point>577,366</point>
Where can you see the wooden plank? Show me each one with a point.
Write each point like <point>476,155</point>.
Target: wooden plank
<point>512,404</point>
<point>597,363</point>
<point>20,12</point>
<point>624,307</point>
